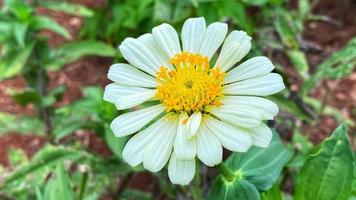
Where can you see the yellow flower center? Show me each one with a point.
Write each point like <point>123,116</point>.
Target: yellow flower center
<point>191,86</point>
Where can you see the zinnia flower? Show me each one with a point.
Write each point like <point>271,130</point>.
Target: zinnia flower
<point>195,105</point>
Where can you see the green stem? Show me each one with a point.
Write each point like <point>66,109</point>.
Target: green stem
<point>226,172</point>
<point>83,184</point>
<point>197,193</point>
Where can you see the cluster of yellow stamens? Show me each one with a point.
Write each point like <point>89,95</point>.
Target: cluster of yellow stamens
<point>191,85</point>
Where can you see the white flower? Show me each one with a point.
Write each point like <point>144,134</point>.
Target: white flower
<point>200,106</point>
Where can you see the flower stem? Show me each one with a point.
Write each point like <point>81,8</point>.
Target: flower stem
<point>226,172</point>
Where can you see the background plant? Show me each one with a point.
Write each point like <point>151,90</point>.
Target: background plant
<point>68,167</point>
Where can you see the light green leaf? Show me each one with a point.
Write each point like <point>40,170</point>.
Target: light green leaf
<point>20,124</point>
<point>59,188</point>
<point>12,65</point>
<point>42,22</point>
<point>340,64</point>
<point>299,62</point>
<point>328,174</point>
<point>115,144</point>
<point>273,194</point>
<point>20,30</point>
<point>69,8</point>
<point>48,155</point>
<point>17,157</point>
<point>71,52</point>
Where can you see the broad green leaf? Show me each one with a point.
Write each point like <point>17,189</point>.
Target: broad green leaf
<point>70,8</point>
<point>42,22</point>
<point>238,189</point>
<point>328,174</point>
<point>10,123</point>
<point>73,51</point>
<point>256,170</point>
<point>340,64</point>
<point>59,188</point>
<point>115,144</point>
<point>12,65</point>
<point>261,166</point>
<point>21,9</point>
<point>48,155</point>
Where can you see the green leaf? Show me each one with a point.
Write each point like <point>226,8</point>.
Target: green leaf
<point>273,194</point>
<point>328,174</point>
<point>43,22</point>
<point>71,52</point>
<point>60,185</point>
<point>17,157</point>
<point>48,155</point>
<point>69,8</point>
<point>340,64</point>
<point>20,124</point>
<point>256,170</point>
<point>299,62</point>
<point>284,26</point>
<point>261,166</point>
<point>26,96</point>
<point>12,65</point>
<point>20,30</point>
<point>115,144</point>
<point>21,9</point>
<point>255,2</point>
<point>241,190</point>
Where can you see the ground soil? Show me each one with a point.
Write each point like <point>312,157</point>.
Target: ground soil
<point>92,71</point>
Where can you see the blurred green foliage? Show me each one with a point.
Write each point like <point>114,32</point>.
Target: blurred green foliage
<point>67,167</point>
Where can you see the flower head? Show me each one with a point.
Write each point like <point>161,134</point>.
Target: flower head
<point>198,106</point>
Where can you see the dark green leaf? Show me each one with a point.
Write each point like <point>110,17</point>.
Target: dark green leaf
<point>26,97</point>
<point>328,174</point>
<point>43,22</point>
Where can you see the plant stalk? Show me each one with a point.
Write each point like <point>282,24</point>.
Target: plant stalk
<point>83,185</point>
<point>226,172</point>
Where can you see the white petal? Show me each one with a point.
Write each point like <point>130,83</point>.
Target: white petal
<point>184,148</point>
<point>261,135</point>
<point>192,34</point>
<point>254,67</point>
<point>181,171</point>
<point>167,39</point>
<point>151,45</point>
<point>135,147</point>
<point>209,149</point>
<point>132,122</point>
<point>239,115</point>
<point>139,55</point>
<point>159,149</point>
<point>125,97</point>
<point>231,137</point>
<point>267,107</point>
<point>261,86</point>
<point>213,38</point>
<point>194,124</point>
<point>235,47</point>
<point>125,74</point>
